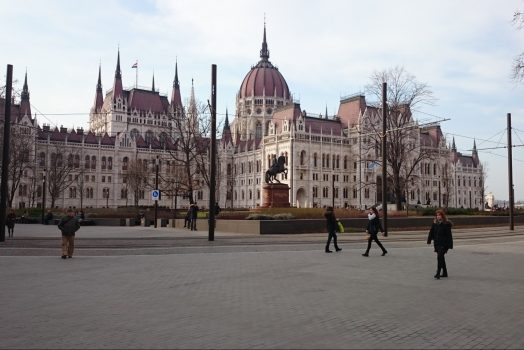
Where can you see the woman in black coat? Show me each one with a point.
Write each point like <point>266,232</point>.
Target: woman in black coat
<point>10,223</point>
<point>332,227</point>
<point>440,234</point>
<point>372,229</point>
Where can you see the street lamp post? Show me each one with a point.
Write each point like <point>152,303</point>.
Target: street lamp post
<point>106,194</point>
<point>43,195</point>
<point>156,188</point>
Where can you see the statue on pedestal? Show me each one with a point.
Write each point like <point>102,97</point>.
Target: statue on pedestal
<point>276,168</point>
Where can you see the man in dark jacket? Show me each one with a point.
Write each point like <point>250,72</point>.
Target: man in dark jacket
<point>194,215</point>
<point>68,225</point>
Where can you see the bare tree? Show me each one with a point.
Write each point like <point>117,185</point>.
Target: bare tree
<point>518,64</point>
<point>189,146</point>
<point>59,169</point>
<point>21,150</point>
<point>403,93</point>
<point>80,182</point>
<point>136,177</point>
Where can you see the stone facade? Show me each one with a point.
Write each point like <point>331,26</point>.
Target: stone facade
<point>331,160</point>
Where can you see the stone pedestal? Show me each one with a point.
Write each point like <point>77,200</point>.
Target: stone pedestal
<point>275,196</point>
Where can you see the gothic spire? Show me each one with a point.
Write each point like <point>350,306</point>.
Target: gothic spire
<point>453,147</point>
<point>117,85</point>
<point>226,122</point>
<point>99,99</point>
<point>25,106</point>
<point>264,53</point>
<point>153,85</point>
<point>99,84</point>
<point>176,83</point>
<point>176,97</point>
<point>118,73</point>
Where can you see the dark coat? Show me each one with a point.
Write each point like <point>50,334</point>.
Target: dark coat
<point>68,225</point>
<point>440,234</point>
<point>194,211</point>
<point>10,220</point>
<point>374,226</point>
<point>331,221</point>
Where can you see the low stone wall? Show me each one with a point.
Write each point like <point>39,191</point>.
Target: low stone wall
<point>263,227</point>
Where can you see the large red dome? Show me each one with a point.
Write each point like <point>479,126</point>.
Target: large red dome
<point>264,79</point>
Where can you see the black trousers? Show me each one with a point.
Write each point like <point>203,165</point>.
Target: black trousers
<point>332,235</point>
<point>374,238</point>
<point>441,260</point>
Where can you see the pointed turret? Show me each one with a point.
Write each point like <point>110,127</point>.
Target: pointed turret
<point>117,85</point>
<point>192,109</point>
<point>264,52</point>
<point>454,154</point>
<point>226,122</point>
<point>99,98</point>
<point>475,154</point>
<point>176,99</point>
<point>153,84</point>
<point>25,106</point>
<point>226,132</point>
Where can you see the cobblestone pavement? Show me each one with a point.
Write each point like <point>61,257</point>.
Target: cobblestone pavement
<point>244,291</point>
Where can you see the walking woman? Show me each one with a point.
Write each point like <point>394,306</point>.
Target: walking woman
<point>10,223</point>
<point>440,234</point>
<point>372,229</point>
<point>331,225</point>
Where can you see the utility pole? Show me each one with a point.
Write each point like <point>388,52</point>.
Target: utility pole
<point>212,185</point>
<point>5,153</point>
<point>43,195</point>
<point>156,188</point>
<point>384,157</point>
<point>510,177</point>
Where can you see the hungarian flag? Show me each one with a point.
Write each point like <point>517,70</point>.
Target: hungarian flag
<point>135,65</point>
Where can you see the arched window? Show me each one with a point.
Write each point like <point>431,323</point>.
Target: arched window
<point>70,161</point>
<point>258,130</point>
<point>104,163</point>
<point>302,157</point>
<point>77,161</point>
<point>41,159</point>
<point>125,163</point>
<point>345,162</point>
<point>93,162</point>
<point>315,160</point>
<point>134,134</point>
<point>87,162</point>
<point>110,163</point>
<point>149,136</point>
<point>163,139</point>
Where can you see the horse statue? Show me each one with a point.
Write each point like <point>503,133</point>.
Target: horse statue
<point>276,168</point>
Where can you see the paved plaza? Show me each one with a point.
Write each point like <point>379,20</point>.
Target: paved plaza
<point>174,289</point>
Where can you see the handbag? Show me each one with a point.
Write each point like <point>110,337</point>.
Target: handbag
<point>340,226</point>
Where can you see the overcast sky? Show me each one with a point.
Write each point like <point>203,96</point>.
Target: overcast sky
<point>325,50</point>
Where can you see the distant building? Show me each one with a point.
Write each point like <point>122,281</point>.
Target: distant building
<point>330,158</point>
<point>489,201</point>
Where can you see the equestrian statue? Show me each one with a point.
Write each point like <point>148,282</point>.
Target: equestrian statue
<point>276,168</point>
